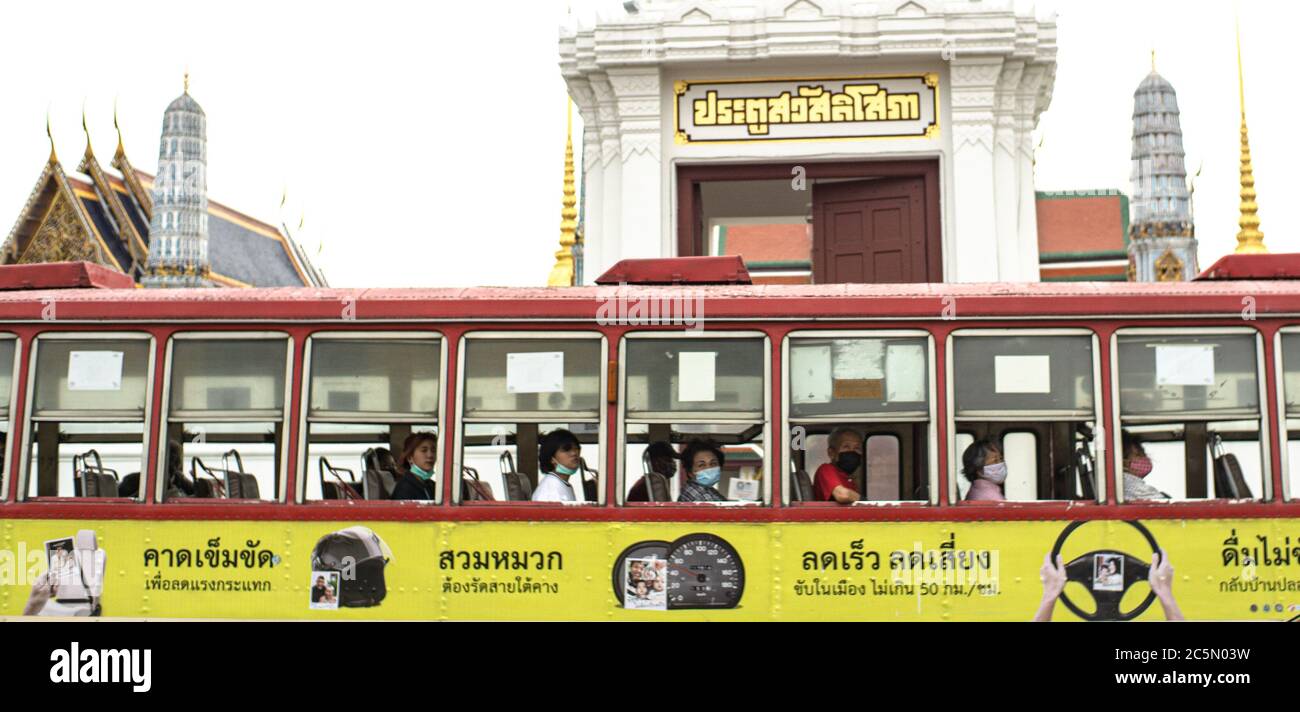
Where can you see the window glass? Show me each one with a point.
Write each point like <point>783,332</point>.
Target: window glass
<point>91,376</point>
<point>379,377</point>
<point>228,375</point>
<point>1023,373</point>
<point>511,376</point>
<point>7,350</point>
<point>721,377</point>
<point>858,376</point>
<point>1192,375</point>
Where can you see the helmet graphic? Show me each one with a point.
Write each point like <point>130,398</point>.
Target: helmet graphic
<point>360,551</point>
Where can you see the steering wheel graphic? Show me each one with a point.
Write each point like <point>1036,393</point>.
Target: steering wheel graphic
<point>1083,570</point>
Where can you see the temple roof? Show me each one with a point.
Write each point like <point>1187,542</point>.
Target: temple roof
<point>244,251</point>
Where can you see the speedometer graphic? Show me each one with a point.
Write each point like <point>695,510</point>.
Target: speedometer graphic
<point>703,570</point>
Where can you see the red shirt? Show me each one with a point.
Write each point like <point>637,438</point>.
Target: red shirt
<point>829,477</point>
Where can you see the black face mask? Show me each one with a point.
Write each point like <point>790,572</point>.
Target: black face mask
<point>848,462</point>
<point>667,469</point>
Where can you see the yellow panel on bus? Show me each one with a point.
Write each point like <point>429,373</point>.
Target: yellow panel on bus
<point>923,571</point>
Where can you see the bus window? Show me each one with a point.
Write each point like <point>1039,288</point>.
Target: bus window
<point>225,419</point>
<point>1190,406</point>
<point>367,395</point>
<point>88,416</point>
<point>8,351</point>
<point>1290,372</point>
<point>680,389</point>
<point>517,390</point>
<point>1032,395</point>
<point>873,392</point>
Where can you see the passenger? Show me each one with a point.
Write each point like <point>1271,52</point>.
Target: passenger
<point>1136,467</point>
<point>834,480</point>
<point>704,461</point>
<point>663,460</point>
<point>419,457</point>
<point>559,458</point>
<point>983,465</point>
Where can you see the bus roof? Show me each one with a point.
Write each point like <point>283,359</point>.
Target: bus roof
<point>623,304</point>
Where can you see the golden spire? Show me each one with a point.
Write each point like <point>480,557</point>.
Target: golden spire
<point>1153,61</point>
<point>1249,239</point>
<point>187,80</point>
<point>54,157</point>
<point>562,272</point>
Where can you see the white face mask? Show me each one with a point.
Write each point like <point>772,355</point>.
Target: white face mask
<point>997,474</point>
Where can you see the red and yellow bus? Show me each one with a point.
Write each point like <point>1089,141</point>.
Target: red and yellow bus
<point>227,453</point>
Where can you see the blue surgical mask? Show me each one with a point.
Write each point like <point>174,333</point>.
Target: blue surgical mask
<point>566,471</point>
<point>996,474</point>
<point>709,476</point>
<point>421,473</point>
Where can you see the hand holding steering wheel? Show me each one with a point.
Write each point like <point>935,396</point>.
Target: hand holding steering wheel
<point>1083,570</point>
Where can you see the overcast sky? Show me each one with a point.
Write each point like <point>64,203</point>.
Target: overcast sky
<point>379,117</point>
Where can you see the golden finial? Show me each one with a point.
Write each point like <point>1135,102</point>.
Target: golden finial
<point>187,80</point>
<point>1153,61</point>
<point>1250,239</point>
<point>562,273</point>
<point>54,157</point>
<point>120,148</point>
<point>85,129</point>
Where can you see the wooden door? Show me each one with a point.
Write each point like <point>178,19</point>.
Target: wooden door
<point>872,231</point>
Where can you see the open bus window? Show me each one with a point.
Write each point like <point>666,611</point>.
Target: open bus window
<point>8,351</point>
<point>517,390</point>
<point>366,396</point>
<point>873,395</point>
<point>1033,396</point>
<point>88,417</point>
<point>652,477</point>
<point>681,389</point>
<point>1290,372</point>
<point>225,419</point>
<point>1192,401</point>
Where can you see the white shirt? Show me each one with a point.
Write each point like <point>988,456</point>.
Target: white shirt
<point>1135,489</point>
<point>553,489</point>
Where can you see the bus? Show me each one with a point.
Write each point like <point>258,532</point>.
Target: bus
<point>231,454</point>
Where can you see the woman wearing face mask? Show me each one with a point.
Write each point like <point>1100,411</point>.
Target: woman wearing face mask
<point>1136,467</point>
<point>983,465</point>
<point>834,480</point>
<point>559,458</point>
<point>704,461</point>
<point>419,456</point>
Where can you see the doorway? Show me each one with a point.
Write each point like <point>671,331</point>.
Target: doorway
<point>857,222</point>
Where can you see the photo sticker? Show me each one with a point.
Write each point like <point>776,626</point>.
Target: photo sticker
<point>1107,572</point>
<point>324,590</point>
<point>646,581</point>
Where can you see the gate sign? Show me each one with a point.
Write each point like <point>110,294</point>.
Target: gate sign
<point>841,108</point>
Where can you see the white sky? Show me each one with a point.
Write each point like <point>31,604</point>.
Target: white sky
<point>373,116</point>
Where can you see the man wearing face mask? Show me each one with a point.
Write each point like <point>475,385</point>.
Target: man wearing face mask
<point>663,460</point>
<point>834,480</point>
<point>983,465</point>
<point>1136,467</point>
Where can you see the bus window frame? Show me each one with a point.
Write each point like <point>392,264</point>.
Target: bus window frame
<point>304,405</point>
<point>29,401</point>
<point>13,411</point>
<point>290,358</point>
<point>932,432</point>
<point>460,421</point>
<point>1265,420</point>
<point>1100,442</point>
<point>620,444</point>
<point>1283,437</point>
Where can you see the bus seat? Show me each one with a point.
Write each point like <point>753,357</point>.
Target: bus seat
<point>241,485</point>
<point>802,491</point>
<point>99,484</point>
<point>472,489</point>
<point>518,486</point>
<point>656,487</point>
<point>380,473</point>
<point>339,488</point>
<point>1229,483</point>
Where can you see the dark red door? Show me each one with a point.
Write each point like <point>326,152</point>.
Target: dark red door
<point>872,231</point>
